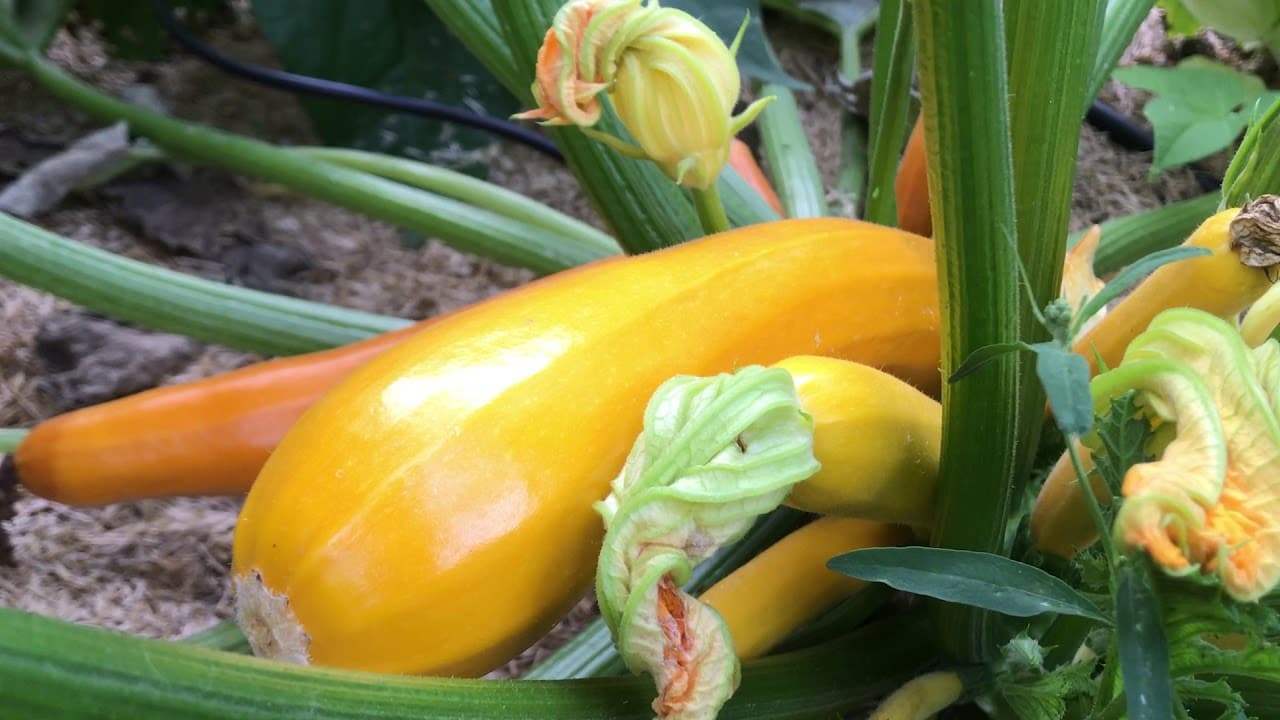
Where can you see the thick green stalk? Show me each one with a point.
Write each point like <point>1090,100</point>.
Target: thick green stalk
<point>965,107</point>
<point>792,167</point>
<point>890,106</point>
<point>1127,239</point>
<point>1046,40</point>
<point>470,190</point>
<point>10,438</point>
<point>165,300</point>
<point>591,652</point>
<point>710,210</point>
<point>51,669</point>
<point>851,180</point>
<point>1254,171</point>
<point>458,224</point>
<point>1119,23</point>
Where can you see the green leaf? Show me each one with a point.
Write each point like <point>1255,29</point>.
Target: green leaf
<point>1144,652</point>
<point>32,23</point>
<point>834,16</point>
<point>1218,692</point>
<point>978,579</point>
<point>984,355</point>
<point>130,26</point>
<point>1065,377</point>
<point>1131,276</point>
<point>1030,691</point>
<point>1178,21</point>
<point>1200,107</point>
<point>1123,432</point>
<point>755,57</point>
<point>393,46</point>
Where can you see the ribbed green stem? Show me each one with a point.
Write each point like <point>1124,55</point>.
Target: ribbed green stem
<point>966,114</point>
<point>1254,171</point>
<point>55,670</point>
<point>792,167</point>
<point>10,438</point>
<point>742,203</point>
<point>458,224</point>
<point>1046,40</point>
<point>890,106</point>
<point>591,652</point>
<point>470,190</point>
<point>225,636</point>
<point>165,300</point>
<point>1130,238</point>
<point>710,210</point>
<point>1119,23</point>
<point>851,180</point>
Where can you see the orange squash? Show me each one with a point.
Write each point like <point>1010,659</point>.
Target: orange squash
<point>911,187</point>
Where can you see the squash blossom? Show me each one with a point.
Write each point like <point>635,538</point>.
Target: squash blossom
<point>1211,503</point>
<point>670,78</point>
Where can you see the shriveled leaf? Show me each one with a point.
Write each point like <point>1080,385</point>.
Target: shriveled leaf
<point>45,185</point>
<point>984,355</point>
<point>1131,276</point>
<point>1144,651</point>
<point>755,56</point>
<point>978,579</point>
<point>1065,377</point>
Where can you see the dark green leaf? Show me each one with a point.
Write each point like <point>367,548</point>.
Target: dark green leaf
<point>1123,432</point>
<point>1065,377</point>
<point>393,46</point>
<point>32,23</point>
<point>1200,107</point>
<point>755,56</point>
<point>1144,652</point>
<point>984,355</point>
<point>1219,692</point>
<point>834,16</point>
<point>130,26</point>
<point>1131,276</point>
<point>971,578</point>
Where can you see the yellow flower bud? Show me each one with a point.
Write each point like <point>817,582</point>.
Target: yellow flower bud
<point>672,82</point>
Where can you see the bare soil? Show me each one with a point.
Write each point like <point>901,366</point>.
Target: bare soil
<point>158,568</point>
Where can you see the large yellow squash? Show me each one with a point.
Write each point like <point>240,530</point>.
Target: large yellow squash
<point>432,514</point>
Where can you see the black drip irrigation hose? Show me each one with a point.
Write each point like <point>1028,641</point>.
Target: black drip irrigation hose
<point>1118,127</point>
<point>354,93</point>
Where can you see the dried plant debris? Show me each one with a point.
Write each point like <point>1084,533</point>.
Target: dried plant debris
<point>89,360</point>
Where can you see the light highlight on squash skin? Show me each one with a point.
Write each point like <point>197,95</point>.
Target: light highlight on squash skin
<point>207,437</point>
<point>368,492</point>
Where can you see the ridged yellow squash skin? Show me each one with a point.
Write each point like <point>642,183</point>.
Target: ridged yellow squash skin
<point>432,514</point>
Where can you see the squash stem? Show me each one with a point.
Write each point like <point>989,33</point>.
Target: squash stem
<point>710,210</point>
<point>10,438</point>
<point>890,107</point>
<point>1095,510</point>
